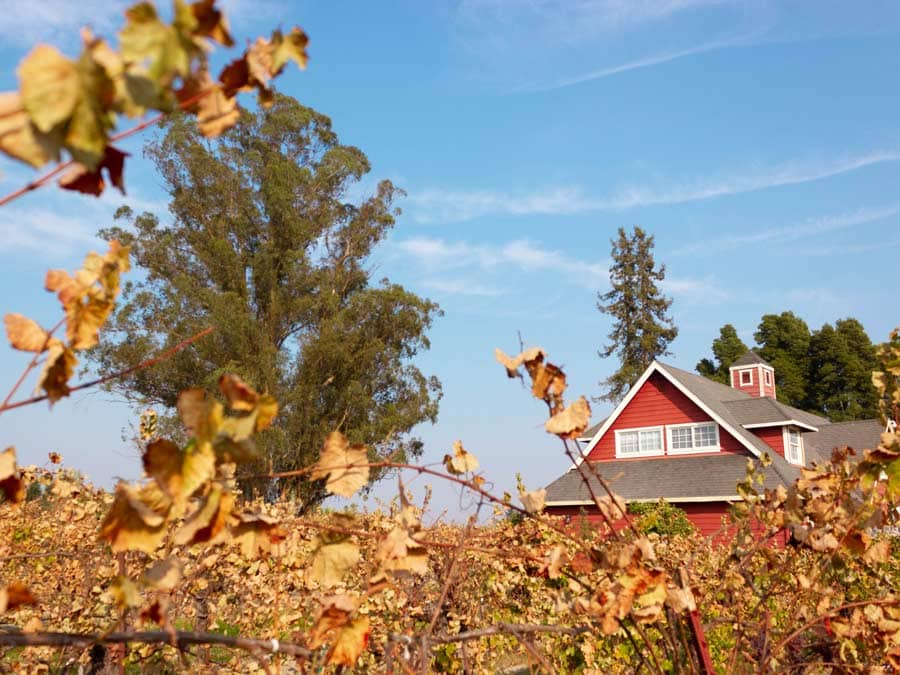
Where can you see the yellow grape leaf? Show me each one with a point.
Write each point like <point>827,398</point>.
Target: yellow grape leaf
<point>571,422</point>
<point>11,484</point>
<point>58,368</point>
<point>50,86</point>
<point>202,417</point>
<point>179,473</point>
<point>239,394</point>
<point>332,560</point>
<point>19,138</point>
<point>208,520</point>
<point>125,592</point>
<point>399,552</point>
<point>131,524</point>
<point>25,334</point>
<point>13,595</point>
<point>345,466</point>
<point>147,41</point>
<point>91,120</point>
<point>266,410</point>
<point>534,501</point>
<point>217,113</point>
<point>164,575</point>
<point>350,643</point>
<point>461,461</point>
<point>512,363</point>
<point>256,533</point>
<point>290,47</point>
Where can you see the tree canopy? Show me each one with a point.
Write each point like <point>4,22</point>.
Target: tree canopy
<point>265,246</point>
<point>827,371</point>
<point>642,328</point>
<point>727,348</point>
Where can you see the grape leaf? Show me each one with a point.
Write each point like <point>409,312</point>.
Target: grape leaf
<point>332,559</point>
<point>461,462</point>
<point>25,334</point>
<point>350,643</point>
<point>50,86</point>
<point>131,524</point>
<point>208,520</point>
<point>534,501</point>
<point>345,466</point>
<point>11,484</point>
<point>571,422</point>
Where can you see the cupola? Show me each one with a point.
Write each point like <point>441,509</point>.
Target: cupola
<point>753,375</point>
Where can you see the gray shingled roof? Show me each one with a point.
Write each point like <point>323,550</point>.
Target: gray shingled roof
<point>859,435</point>
<point>761,410</point>
<point>749,359</point>
<point>670,478</point>
<point>590,433</point>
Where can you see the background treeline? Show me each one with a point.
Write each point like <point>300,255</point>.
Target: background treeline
<point>827,371</point>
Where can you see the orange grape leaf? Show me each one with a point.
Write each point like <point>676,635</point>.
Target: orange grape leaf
<point>534,501</point>
<point>55,458</point>
<point>25,334</point>
<point>14,595</point>
<point>156,613</point>
<point>239,394</point>
<point>256,533</point>
<point>11,484</point>
<point>571,422</point>
<point>131,524</point>
<point>58,368</point>
<point>512,363</point>
<point>461,462</point>
<point>345,466</point>
<point>202,417</point>
<point>334,614</point>
<point>216,113</point>
<point>211,22</point>
<point>331,560</point>
<point>350,643</point>
<point>208,520</point>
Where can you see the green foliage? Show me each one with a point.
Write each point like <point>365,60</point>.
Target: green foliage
<point>642,328</point>
<point>265,247</point>
<point>727,348</point>
<point>783,341</point>
<point>841,361</point>
<point>661,518</point>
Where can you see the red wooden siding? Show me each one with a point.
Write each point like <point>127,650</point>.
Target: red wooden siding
<point>658,403</point>
<point>707,517</point>
<point>773,437</point>
<point>753,388</point>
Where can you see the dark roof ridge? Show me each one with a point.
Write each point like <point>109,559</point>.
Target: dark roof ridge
<point>749,359</point>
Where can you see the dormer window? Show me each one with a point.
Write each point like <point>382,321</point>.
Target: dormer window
<point>746,378</point>
<point>793,447</point>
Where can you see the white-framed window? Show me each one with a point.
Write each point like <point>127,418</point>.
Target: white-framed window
<point>746,377</point>
<point>642,442</point>
<point>793,446</point>
<point>768,378</point>
<point>688,438</point>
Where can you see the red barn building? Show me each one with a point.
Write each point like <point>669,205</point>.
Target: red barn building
<point>686,439</point>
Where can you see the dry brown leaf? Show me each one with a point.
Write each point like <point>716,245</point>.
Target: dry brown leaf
<point>239,394</point>
<point>461,462</point>
<point>512,363</point>
<point>133,524</point>
<point>332,560</point>
<point>11,484</point>
<point>14,595</point>
<point>534,501</point>
<point>345,467</point>
<point>571,422</point>
<point>25,334</point>
<point>164,575</point>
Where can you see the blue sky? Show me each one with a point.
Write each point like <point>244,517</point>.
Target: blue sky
<point>759,142</point>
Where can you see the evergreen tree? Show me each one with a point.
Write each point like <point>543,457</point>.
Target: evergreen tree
<point>727,348</point>
<point>841,361</point>
<point>783,341</point>
<point>642,328</point>
<point>265,247</point>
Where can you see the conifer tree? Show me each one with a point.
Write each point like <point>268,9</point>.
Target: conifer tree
<point>783,341</point>
<point>642,328</point>
<point>841,361</point>
<point>727,348</point>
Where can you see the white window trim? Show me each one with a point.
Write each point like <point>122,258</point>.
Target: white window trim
<point>639,453</point>
<point>741,382</point>
<point>691,451</point>
<point>768,376</point>
<point>786,436</point>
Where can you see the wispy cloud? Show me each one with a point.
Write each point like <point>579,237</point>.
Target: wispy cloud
<point>434,205</point>
<point>646,62</point>
<point>457,286</point>
<point>45,232</point>
<point>695,291</point>
<point>788,233</point>
<point>439,256</point>
<point>58,21</point>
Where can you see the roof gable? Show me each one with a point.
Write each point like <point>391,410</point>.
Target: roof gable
<point>751,358</point>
